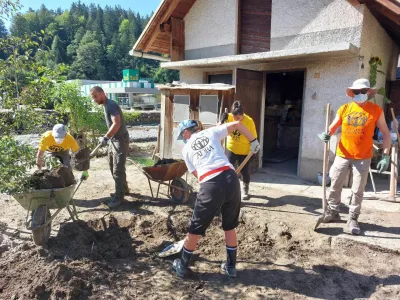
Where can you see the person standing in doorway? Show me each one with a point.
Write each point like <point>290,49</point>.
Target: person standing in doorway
<point>358,120</point>
<point>238,146</point>
<point>118,149</point>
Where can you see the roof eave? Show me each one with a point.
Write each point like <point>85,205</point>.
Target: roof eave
<point>315,52</point>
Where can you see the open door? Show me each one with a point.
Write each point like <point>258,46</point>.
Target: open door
<point>249,91</point>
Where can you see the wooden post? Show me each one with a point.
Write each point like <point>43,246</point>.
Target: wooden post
<point>177,39</point>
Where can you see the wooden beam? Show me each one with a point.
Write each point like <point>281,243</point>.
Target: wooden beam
<point>177,39</point>
<point>165,27</point>
<point>385,7</point>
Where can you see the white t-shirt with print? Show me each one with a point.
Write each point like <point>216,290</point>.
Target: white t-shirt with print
<point>203,152</point>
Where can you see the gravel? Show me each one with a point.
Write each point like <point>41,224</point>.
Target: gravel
<point>138,134</point>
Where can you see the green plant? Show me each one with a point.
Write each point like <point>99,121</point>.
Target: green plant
<point>15,161</point>
<point>374,63</point>
<point>83,116</point>
<point>131,117</point>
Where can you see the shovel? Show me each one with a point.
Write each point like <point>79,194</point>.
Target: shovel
<point>325,167</point>
<point>177,247</point>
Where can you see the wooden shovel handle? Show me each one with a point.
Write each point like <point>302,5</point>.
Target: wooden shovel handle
<point>95,150</point>
<point>244,162</point>
<point>395,125</point>
<point>326,157</point>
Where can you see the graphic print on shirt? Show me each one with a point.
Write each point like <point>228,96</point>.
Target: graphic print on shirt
<point>200,145</point>
<point>236,135</point>
<point>55,148</point>
<point>355,120</point>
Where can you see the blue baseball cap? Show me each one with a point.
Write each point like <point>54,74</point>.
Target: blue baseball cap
<point>185,124</point>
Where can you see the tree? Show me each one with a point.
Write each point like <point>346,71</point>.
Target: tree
<point>89,56</point>
<point>166,76</point>
<point>57,50</point>
<point>3,30</point>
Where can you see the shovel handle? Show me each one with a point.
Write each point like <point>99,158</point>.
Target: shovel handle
<point>95,150</point>
<point>244,162</point>
<point>326,157</point>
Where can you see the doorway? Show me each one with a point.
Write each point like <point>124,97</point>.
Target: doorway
<point>282,121</point>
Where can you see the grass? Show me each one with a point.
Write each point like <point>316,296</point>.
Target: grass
<point>143,161</point>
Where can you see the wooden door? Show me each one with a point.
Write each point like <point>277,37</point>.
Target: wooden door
<point>249,91</point>
<point>254,30</point>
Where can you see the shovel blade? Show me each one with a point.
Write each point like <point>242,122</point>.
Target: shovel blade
<point>172,249</point>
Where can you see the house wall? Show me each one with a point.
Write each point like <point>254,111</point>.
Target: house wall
<point>305,23</point>
<point>376,42</point>
<point>210,29</point>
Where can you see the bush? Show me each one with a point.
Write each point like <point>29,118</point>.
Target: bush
<point>15,161</point>
<point>131,117</point>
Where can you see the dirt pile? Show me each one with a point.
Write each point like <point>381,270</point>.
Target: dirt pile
<point>52,179</point>
<point>81,160</point>
<point>96,240</point>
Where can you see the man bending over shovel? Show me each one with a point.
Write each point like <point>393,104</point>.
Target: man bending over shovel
<point>219,188</point>
<point>358,119</point>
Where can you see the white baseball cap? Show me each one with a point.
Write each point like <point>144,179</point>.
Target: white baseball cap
<point>59,132</point>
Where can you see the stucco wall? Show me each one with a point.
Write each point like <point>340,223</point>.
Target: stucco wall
<point>376,42</point>
<point>305,23</point>
<point>210,29</point>
<point>191,76</point>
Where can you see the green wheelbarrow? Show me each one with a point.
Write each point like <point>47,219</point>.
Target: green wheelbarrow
<point>39,203</point>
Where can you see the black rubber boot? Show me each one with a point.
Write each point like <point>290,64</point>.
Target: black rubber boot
<point>181,266</point>
<point>229,267</point>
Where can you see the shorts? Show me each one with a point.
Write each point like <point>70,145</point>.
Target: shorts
<point>219,194</point>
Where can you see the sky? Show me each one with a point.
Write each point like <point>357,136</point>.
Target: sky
<point>144,7</point>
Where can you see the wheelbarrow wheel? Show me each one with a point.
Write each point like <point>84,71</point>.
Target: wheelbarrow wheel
<point>41,233</point>
<point>177,195</point>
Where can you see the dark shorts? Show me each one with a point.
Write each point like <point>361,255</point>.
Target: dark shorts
<point>219,194</point>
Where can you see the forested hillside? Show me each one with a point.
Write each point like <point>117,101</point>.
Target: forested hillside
<point>93,41</point>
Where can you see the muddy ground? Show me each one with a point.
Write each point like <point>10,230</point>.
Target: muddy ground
<point>113,254</point>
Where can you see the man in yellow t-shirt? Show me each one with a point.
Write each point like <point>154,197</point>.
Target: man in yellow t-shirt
<point>57,143</point>
<point>238,146</point>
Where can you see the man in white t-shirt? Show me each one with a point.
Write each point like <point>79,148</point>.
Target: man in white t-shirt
<point>219,188</point>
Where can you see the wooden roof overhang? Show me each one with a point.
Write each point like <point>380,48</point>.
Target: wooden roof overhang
<point>156,37</point>
<point>387,12</point>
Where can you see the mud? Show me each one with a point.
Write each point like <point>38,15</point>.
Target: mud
<point>52,179</point>
<point>81,160</point>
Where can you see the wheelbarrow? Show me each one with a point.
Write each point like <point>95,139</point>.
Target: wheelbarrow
<point>38,204</point>
<point>170,175</point>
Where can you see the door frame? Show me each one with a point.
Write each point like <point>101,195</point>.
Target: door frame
<point>304,70</point>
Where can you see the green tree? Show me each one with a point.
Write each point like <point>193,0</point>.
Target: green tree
<point>57,50</point>
<point>89,57</point>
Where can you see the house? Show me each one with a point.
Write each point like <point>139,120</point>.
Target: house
<point>286,58</point>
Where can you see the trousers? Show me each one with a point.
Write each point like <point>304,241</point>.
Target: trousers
<point>233,158</point>
<point>117,159</point>
<point>338,172</point>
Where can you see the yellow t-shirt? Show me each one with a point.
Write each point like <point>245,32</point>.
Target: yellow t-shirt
<point>238,143</point>
<point>47,143</point>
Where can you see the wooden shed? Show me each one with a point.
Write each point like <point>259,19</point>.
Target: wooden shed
<point>182,101</point>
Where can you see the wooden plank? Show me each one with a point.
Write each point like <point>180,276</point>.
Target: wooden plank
<point>168,125</point>
<point>254,26</point>
<point>177,39</point>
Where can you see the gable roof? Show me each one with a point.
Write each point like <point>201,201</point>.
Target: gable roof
<point>387,12</point>
<point>156,36</point>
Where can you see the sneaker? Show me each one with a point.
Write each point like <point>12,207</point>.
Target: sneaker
<point>331,216</point>
<point>115,202</point>
<point>245,191</point>
<point>230,271</point>
<point>353,225</point>
<point>179,268</point>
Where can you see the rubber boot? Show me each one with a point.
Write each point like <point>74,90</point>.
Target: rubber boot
<point>352,223</point>
<point>181,266</point>
<point>244,191</point>
<point>229,267</point>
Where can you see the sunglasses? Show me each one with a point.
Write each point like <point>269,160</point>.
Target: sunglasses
<point>363,91</point>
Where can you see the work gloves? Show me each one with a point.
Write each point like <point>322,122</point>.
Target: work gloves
<point>325,137</point>
<point>104,141</point>
<point>85,175</point>
<point>224,118</point>
<point>383,164</point>
<point>255,146</point>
